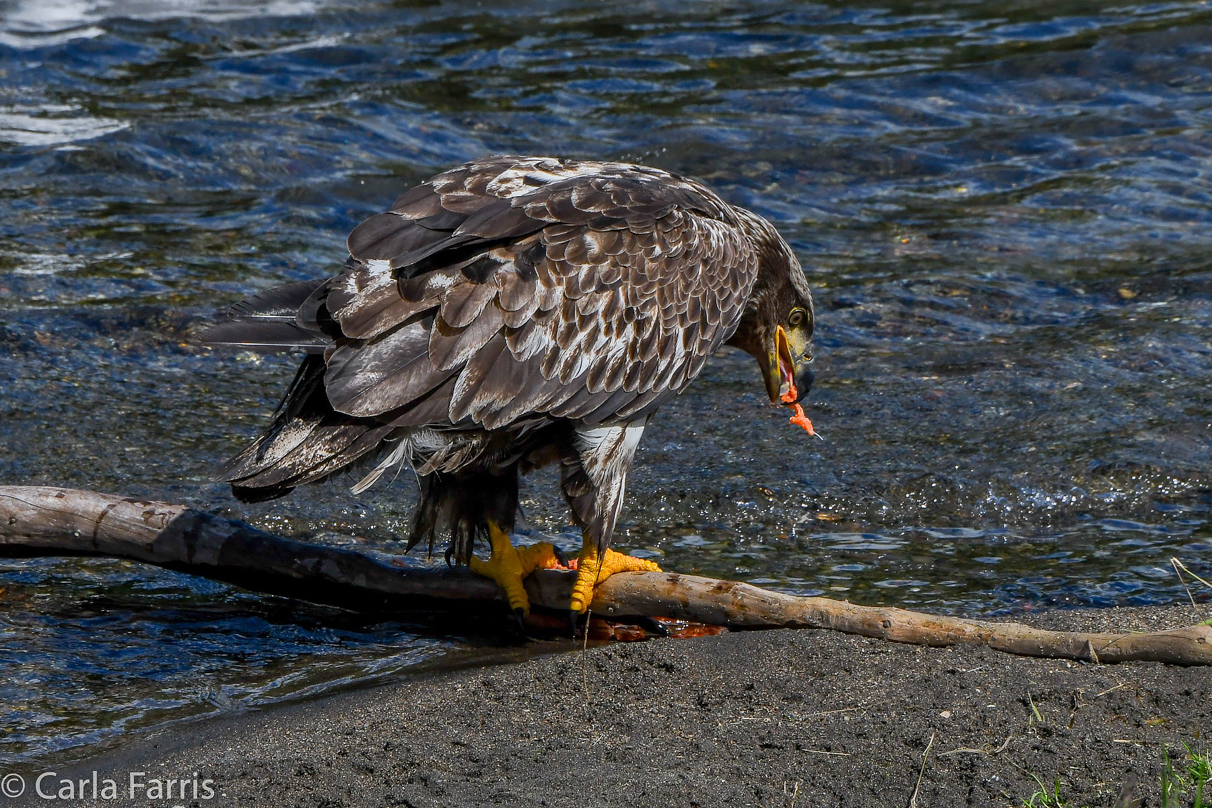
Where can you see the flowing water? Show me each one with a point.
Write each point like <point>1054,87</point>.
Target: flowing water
<point>1004,209</point>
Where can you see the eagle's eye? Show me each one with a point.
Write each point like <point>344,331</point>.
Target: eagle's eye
<point>797,316</point>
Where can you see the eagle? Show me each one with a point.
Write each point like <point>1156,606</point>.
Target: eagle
<point>511,313</point>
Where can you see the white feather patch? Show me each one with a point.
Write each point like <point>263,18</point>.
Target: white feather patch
<point>523,179</point>
<point>396,457</point>
<point>606,451</point>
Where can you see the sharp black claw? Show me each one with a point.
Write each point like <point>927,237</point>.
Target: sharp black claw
<point>573,619</point>
<point>559,554</point>
<point>519,621</point>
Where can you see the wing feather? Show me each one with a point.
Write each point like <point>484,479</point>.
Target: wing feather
<point>463,303</point>
<point>510,287</point>
<point>385,235</point>
<point>375,377</point>
<point>451,347</point>
<point>472,378</point>
<point>418,202</point>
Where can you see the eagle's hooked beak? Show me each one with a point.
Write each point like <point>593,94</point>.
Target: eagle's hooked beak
<point>788,378</point>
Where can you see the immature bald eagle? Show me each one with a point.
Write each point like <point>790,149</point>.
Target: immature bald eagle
<point>510,313</point>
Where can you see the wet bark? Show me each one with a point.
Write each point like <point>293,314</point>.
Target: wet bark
<point>38,521</point>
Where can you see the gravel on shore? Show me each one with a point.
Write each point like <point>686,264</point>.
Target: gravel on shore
<point>770,718</point>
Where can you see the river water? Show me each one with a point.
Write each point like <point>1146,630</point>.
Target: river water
<point>1005,210</point>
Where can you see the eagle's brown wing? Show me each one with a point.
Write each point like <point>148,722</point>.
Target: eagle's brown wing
<point>513,287</point>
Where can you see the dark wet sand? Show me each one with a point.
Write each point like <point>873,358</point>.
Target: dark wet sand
<point>758,718</point>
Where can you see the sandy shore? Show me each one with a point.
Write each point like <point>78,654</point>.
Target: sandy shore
<point>775,718</point>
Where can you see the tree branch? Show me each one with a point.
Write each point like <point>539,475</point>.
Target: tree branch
<point>59,521</point>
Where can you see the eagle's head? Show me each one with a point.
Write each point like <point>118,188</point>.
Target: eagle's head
<point>777,325</point>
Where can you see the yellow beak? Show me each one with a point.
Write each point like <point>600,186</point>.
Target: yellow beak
<point>780,369</point>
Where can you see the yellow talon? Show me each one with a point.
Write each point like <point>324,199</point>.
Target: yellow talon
<point>590,572</point>
<point>541,556</point>
<point>508,565</point>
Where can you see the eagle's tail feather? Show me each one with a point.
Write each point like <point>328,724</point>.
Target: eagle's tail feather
<point>306,442</point>
<point>269,321</point>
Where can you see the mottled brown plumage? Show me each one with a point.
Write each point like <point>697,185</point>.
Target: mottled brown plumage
<point>507,313</point>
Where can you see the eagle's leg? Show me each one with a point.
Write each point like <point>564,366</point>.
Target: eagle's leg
<point>508,565</point>
<point>593,568</point>
<point>594,478</point>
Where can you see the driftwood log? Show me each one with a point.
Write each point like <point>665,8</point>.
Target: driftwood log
<point>38,521</point>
